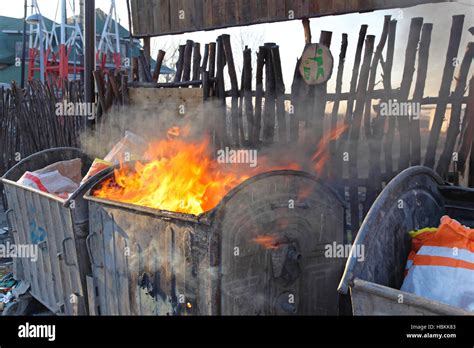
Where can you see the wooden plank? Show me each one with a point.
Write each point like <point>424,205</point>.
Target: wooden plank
<point>306,30</point>
<point>174,15</point>
<point>335,109</point>
<point>198,15</point>
<point>262,11</point>
<point>227,13</point>
<point>455,119</point>
<point>197,61</point>
<point>355,131</point>
<point>300,8</point>
<point>422,71</point>
<point>387,82</point>
<point>271,8</point>
<point>134,6</point>
<point>188,51</point>
<point>319,93</point>
<point>218,13</point>
<point>313,7</point>
<point>350,100</point>
<point>144,67</point>
<point>221,138</point>
<point>467,137</point>
<point>171,99</point>
<point>147,50</point>
<point>205,59</point>
<point>261,57</point>
<point>179,64</point>
<point>280,92</point>
<point>339,6</point>
<point>153,20</point>
<point>407,78</point>
<point>280,9</point>
<point>245,11</point>
<point>230,12</point>
<point>207,13</point>
<point>298,93</point>
<point>445,89</point>
<point>234,88</point>
<point>212,59</point>
<point>163,16</point>
<point>374,129</point>
<point>158,64</point>
<point>269,110</point>
<point>247,97</point>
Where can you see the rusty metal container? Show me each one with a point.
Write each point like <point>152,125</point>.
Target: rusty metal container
<point>414,199</point>
<point>58,228</point>
<point>154,262</point>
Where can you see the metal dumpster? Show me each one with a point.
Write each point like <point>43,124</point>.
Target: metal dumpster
<point>57,228</point>
<point>414,199</point>
<point>154,262</point>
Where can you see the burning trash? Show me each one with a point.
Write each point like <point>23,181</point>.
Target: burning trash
<point>181,175</point>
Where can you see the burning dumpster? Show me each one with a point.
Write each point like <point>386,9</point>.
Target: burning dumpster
<point>258,251</point>
<point>415,199</point>
<point>57,227</point>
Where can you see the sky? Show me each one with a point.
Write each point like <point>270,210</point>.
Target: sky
<point>289,35</point>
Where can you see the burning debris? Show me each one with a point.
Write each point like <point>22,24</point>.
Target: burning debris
<point>321,156</point>
<point>181,175</point>
<point>267,241</point>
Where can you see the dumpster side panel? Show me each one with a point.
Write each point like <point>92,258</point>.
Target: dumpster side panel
<point>57,229</point>
<point>374,299</point>
<point>143,264</point>
<point>47,227</point>
<point>259,279</point>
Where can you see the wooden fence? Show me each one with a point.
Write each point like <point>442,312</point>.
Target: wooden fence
<point>260,116</point>
<point>257,114</point>
<point>29,120</point>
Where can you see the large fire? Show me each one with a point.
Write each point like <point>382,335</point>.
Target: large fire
<point>179,175</point>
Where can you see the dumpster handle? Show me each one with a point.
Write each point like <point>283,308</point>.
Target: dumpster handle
<point>89,250</point>
<point>10,211</point>
<point>65,253</point>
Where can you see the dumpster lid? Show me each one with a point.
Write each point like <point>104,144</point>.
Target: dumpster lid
<point>375,239</point>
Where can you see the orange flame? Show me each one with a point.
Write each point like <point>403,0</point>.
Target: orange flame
<point>321,156</point>
<point>180,176</point>
<point>267,242</point>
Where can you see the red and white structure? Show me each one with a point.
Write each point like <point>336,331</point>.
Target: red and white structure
<point>109,43</point>
<point>57,58</point>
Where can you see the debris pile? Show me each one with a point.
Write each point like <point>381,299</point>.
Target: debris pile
<point>440,265</point>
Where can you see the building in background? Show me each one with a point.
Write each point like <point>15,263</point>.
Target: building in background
<point>11,45</point>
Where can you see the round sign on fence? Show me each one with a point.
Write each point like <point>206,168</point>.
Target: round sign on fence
<point>316,64</point>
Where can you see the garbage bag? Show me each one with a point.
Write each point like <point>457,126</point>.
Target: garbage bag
<point>442,267</point>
